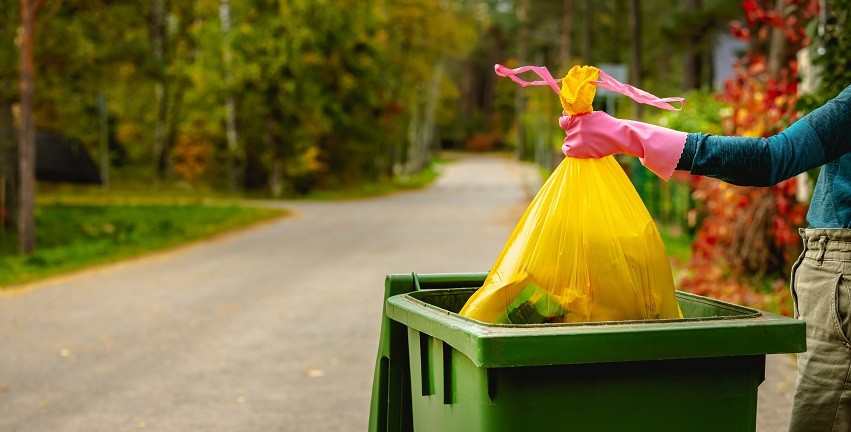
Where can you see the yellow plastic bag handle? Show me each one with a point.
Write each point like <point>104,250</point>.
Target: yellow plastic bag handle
<point>579,86</point>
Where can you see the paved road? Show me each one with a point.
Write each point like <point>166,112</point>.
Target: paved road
<point>271,329</point>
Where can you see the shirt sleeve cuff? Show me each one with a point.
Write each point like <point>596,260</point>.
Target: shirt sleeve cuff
<point>662,151</point>
<point>689,150</point>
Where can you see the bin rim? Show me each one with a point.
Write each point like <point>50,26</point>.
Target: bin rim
<point>743,312</point>
<point>506,345</point>
<point>390,408</point>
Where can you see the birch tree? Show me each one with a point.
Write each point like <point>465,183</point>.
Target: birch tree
<point>230,101</point>
<point>26,141</point>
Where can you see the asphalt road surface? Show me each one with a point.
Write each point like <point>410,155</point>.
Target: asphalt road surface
<point>270,329</point>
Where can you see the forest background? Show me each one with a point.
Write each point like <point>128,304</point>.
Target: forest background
<point>281,98</point>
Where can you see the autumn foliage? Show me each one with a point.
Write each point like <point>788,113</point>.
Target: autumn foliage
<point>747,240</point>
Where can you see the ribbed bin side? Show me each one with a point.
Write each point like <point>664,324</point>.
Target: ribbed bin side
<point>698,374</point>
<point>450,393</point>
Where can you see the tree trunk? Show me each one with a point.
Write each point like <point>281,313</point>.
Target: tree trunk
<point>694,70</point>
<point>26,142</point>
<point>777,45</point>
<point>467,100</point>
<point>158,34</point>
<point>519,95</point>
<point>693,66</point>
<point>275,140</point>
<point>420,127</point>
<point>566,35</point>
<point>161,92</point>
<point>708,73</point>
<point>176,102</point>
<point>414,125</point>
<point>635,50</point>
<point>230,104</point>
<point>8,166</point>
<point>486,84</point>
<point>103,139</point>
<point>172,114</point>
<point>427,127</point>
<point>587,29</point>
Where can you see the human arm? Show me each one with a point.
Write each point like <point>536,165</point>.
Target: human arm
<point>819,137</point>
<point>597,134</point>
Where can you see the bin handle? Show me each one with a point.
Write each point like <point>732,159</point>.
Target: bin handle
<point>431,281</point>
<point>416,281</point>
<point>390,408</point>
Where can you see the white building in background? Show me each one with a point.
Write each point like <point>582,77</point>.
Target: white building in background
<point>727,49</point>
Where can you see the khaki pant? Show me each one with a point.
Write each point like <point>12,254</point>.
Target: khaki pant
<point>821,288</point>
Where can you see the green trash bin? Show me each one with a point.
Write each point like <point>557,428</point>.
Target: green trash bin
<point>438,371</point>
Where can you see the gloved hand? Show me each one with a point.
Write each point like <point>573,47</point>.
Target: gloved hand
<point>597,134</point>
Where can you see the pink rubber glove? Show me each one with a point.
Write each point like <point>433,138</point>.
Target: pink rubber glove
<point>597,134</point>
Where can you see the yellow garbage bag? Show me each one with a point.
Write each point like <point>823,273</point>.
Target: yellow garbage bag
<point>585,250</point>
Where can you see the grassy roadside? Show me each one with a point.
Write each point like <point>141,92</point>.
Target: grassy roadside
<point>136,191</point>
<point>79,227</point>
<point>74,236</point>
<point>367,190</point>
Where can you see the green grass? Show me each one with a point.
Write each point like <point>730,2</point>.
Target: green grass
<point>132,189</point>
<point>72,236</point>
<point>677,243</point>
<point>366,190</point>
<point>83,226</point>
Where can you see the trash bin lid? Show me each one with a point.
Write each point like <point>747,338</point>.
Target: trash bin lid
<point>712,328</point>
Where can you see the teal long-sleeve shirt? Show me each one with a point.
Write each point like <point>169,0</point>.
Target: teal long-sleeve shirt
<point>822,137</point>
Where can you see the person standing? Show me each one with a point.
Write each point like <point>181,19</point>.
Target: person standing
<point>821,277</point>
